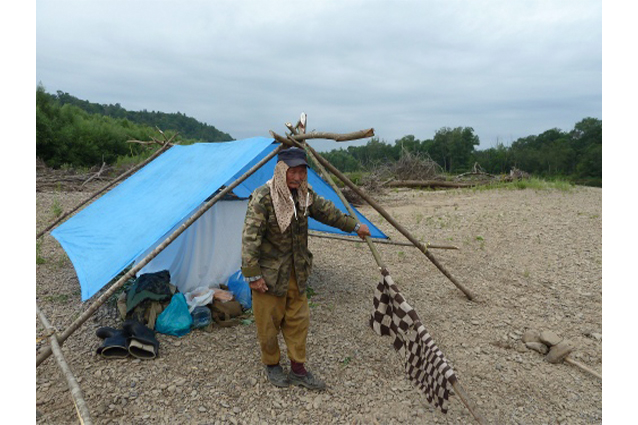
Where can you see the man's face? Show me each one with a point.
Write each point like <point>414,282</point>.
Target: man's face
<point>295,176</point>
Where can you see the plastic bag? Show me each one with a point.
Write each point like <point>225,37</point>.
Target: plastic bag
<point>240,289</point>
<point>199,297</point>
<point>202,317</point>
<point>175,319</point>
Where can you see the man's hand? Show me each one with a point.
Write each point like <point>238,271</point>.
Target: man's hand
<point>259,285</point>
<point>363,231</point>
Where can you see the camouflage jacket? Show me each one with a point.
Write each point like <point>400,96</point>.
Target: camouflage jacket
<point>268,252</point>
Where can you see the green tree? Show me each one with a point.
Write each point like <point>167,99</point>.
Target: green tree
<point>453,148</point>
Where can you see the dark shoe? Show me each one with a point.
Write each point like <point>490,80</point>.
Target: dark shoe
<point>307,380</point>
<point>115,343</point>
<point>141,341</point>
<point>276,376</point>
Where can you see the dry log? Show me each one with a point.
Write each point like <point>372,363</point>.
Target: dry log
<point>337,137</point>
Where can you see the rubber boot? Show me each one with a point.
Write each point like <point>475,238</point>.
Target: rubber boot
<point>141,342</point>
<point>115,345</point>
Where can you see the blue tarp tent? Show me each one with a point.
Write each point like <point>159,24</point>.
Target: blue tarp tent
<point>125,224</point>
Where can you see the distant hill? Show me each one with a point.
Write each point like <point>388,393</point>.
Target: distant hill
<point>187,127</point>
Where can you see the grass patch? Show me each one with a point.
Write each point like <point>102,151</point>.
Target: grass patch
<point>56,208</point>
<point>533,183</point>
<point>39,259</point>
<point>58,299</point>
<point>310,292</point>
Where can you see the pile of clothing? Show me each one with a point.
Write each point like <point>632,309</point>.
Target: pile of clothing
<point>152,304</point>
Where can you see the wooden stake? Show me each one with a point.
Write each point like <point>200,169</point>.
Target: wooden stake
<point>78,400</point>
<point>46,352</point>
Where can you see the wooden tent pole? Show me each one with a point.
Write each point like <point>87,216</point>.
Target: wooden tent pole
<point>292,141</point>
<point>383,241</point>
<point>164,147</point>
<point>46,352</point>
<point>327,178</point>
<point>76,392</point>
<point>384,271</point>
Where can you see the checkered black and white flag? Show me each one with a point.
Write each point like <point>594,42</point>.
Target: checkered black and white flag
<point>425,364</point>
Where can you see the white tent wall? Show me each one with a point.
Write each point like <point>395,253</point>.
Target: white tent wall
<point>208,252</point>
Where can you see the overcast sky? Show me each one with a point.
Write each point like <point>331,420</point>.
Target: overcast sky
<point>508,69</point>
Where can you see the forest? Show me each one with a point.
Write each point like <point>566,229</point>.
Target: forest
<point>77,133</point>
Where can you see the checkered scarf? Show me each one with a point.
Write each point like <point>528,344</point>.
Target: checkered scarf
<point>425,364</point>
<point>281,195</point>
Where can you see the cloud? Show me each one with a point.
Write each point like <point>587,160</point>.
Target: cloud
<point>507,69</point>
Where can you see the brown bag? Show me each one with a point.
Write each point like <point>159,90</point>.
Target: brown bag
<point>226,313</point>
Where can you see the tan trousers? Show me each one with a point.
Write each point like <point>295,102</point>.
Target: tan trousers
<point>290,314</point>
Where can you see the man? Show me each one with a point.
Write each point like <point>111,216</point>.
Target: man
<point>276,262</point>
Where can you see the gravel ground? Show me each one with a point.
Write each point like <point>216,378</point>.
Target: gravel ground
<point>532,258</point>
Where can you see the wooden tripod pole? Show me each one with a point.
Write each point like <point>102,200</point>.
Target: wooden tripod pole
<point>465,399</point>
<point>292,142</point>
<point>46,351</point>
<point>161,150</point>
<point>327,178</point>
<point>382,241</point>
<point>76,392</point>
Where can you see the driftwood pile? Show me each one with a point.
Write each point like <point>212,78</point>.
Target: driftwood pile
<point>420,171</point>
<point>68,179</point>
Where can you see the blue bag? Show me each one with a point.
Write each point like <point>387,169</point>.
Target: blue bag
<point>175,319</point>
<point>240,289</point>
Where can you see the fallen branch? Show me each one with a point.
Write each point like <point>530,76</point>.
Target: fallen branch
<point>76,392</point>
<point>337,137</point>
<point>581,366</point>
<point>432,184</point>
<point>95,176</point>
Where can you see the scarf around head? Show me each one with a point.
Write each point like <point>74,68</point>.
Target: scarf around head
<point>282,200</point>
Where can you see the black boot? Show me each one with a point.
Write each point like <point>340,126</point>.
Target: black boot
<point>141,341</point>
<point>115,343</point>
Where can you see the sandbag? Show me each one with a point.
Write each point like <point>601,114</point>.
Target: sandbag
<point>226,313</point>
